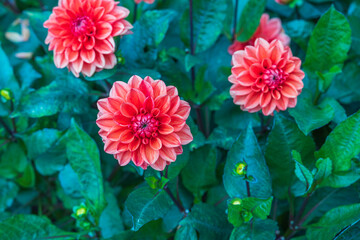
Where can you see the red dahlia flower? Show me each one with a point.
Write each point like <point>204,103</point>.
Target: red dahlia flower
<point>284,2</point>
<point>81,34</point>
<point>144,121</point>
<point>266,77</point>
<point>268,29</point>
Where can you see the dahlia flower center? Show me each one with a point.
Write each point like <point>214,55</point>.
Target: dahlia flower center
<point>145,126</point>
<point>83,26</point>
<point>274,77</point>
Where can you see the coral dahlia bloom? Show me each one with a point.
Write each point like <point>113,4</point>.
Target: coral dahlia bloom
<point>266,77</point>
<point>284,2</point>
<point>144,121</point>
<point>268,29</point>
<point>81,34</point>
<point>147,1</point>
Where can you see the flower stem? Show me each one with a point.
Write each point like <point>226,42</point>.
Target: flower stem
<point>135,12</point>
<point>13,119</point>
<point>177,203</point>
<point>2,122</point>
<point>235,20</point>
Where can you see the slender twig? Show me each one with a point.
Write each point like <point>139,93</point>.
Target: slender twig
<point>291,210</point>
<point>302,208</point>
<point>275,209</point>
<point>177,189</point>
<point>235,20</point>
<point>2,122</point>
<point>221,200</point>
<point>248,188</point>
<point>177,203</point>
<point>13,119</point>
<point>135,12</point>
<point>199,118</point>
<point>13,7</point>
<point>207,122</point>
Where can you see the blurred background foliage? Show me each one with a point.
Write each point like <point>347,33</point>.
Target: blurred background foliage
<point>302,165</point>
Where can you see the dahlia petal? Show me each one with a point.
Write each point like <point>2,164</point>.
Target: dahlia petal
<point>137,158</point>
<point>114,132</point>
<point>168,154</point>
<point>149,104</point>
<point>104,46</point>
<point>123,158</point>
<point>276,54</point>
<point>155,143</point>
<point>159,165</point>
<point>105,121</point>
<point>136,97</point>
<point>108,5</point>
<point>185,135</point>
<point>256,70</point>
<point>177,122</point>
<point>174,105</point>
<point>110,147</point>
<point>163,103</point>
<point>159,88</point>
<point>98,13</point>
<point>135,81</point>
<point>239,100</point>
<point>172,91</point>
<point>120,12</point>
<point>178,150</point>
<point>128,109</point>
<point>118,29</point>
<point>126,136</point>
<point>292,102</point>
<point>239,90</point>
<point>282,103</point>
<point>87,56</point>
<point>164,118</point>
<point>262,42</point>
<point>78,65</point>
<point>121,119</point>
<point>102,105</point>
<point>89,43</point>
<point>148,154</point>
<point>134,145</point>
<point>171,140</point>
<point>288,91</point>
<point>103,30</point>
<point>71,55</point>
<point>262,52</point>
<point>289,67</point>
<point>265,99</point>
<point>295,84</point>
<point>275,94</point>
<point>252,100</point>
<point>269,109</point>
<point>99,60</point>
<point>110,61</point>
<point>88,69</point>
<point>165,129</point>
<point>184,109</point>
<point>146,89</point>
<point>246,80</point>
<point>119,89</point>
<point>60,60</point>
<point>114,103</point>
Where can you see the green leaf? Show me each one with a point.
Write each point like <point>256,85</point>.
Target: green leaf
<point>199,138</point>
<point>37,20</point>
<point>7,77</point>
<point>176,167</point>
<point>62,95</point>
<point>27,75</point>
<point>250,19</point>
<point>13,161</point>
<point>316,115</point>
<point>354,18</point>
<point>209,221</point>
<point>302,173</point>
<point>324,168</point>
<point>25,227</point>
<point>333,221</point>
<point>208,18</point>
<point>186,232</point>
<point>343,178</point>
<point>257,230</point>
<point>200,174</point>
<point>284,137</point>
<point>260,208</point>
<point>70,183</point>
<point>102,75</point>
<point>352,232</point>
<point>84,159</point>
<point>144,206</point>
<point>299,31</point>
<point>110,220</point>
<point>8,192</point>
<point>222,137</point>
<point>203,88</point>
<point>53,159</point>
<point>41,141</point>
<point>329,42</point>
<point>27,179</point>
<point>140,48</point>
<point>246,149</point>
<point>342,144</point>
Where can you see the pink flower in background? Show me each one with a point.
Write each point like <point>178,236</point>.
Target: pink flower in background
<point>144,121</point>
<point>147,1</point>
<point>269,29</point>
<point>81,34</point>
<point>266,77</point>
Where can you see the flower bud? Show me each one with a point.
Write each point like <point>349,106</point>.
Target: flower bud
<point>6,94</point>
<point>240,169</point>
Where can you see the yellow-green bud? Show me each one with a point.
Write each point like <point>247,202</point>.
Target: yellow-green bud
<point>236,201</point>
<point>81,211</point>
<point>240,169</point>
<point>5,94</point>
